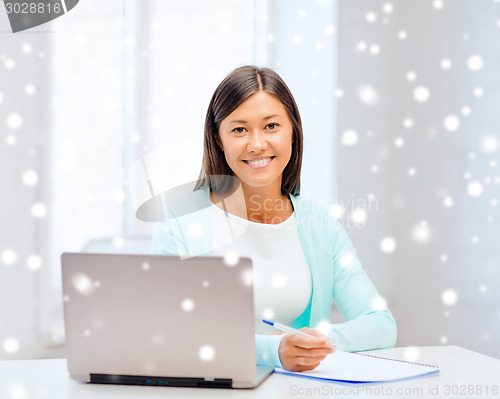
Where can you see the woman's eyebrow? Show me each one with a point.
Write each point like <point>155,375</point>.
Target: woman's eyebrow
<point>264,119</point>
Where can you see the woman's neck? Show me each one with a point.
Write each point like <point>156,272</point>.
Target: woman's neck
<point>255,204</point>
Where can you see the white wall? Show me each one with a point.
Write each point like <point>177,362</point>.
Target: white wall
<point>462,252</point>
<point>24,127</point>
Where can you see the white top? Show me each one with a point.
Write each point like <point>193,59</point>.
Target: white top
<point>282,279</point>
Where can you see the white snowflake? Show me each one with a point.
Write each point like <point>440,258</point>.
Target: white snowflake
<point>34,262</point>
<point>489,144</point>
<point>451,123</point>
<point>374,49</point>
<point>83,284</point>
<point>10,64</point>
<point>231,258</point>
<point>359,216</point>
<point>30,90</point>
<point>438,4</point>
<point>368,95</point>
<point>187,305</point>
<point>422,232</point>
<point>9,257</point>
<point>371,17</point>
<point>408,123</point>
<point>388,8</point>
<point>247,278</point>
<point>399,142</point>
<point>30,177</point>
<point>324,327</point>
<point>411,76</point>
<point>349,138</point>
<point>206,353</point>
<point>411,354</point>
<point>475,63</point>
<point>379,303</point>
<point>446,64</point>
<point>362,46</point>
<point>337,211</point>
<point>466,111</point>
<point>118,242</point>
<point>448,202</point>
<point>10,345</point>
<point>26,48</point>
<point>14,121</point>
<point>449,297</point>
<point>268,314</point>
<point>421,94</point>
<point>475,188</point>
<point>388,245</point>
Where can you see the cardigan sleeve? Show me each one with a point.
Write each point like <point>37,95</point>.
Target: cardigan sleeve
<point>369,323</point>
<point>168,239</point>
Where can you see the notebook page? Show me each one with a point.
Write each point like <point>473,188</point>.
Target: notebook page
<point>353,367</point>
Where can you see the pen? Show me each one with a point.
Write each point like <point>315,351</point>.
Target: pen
<point>290,330</point>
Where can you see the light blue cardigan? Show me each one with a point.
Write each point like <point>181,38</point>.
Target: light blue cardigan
<point>336,272</point>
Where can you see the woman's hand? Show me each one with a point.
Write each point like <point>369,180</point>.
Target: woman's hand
<point>299,353</point>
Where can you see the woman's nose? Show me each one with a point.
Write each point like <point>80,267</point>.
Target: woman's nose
<point>256,141</point>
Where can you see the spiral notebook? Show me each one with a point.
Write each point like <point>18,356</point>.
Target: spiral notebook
<point>358,368</point>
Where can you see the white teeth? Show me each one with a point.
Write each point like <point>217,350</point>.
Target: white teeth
<point>259,162</point>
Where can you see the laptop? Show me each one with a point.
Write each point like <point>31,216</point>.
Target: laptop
<point>159,320</point>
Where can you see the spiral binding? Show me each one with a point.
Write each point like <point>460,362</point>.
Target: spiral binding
<point>396,360</point>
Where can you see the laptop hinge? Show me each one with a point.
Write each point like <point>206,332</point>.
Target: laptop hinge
<point>161,381</point>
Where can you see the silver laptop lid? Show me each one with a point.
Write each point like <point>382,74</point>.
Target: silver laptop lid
<point>158,316</point>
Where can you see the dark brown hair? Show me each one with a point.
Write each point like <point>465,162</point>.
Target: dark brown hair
<point>238,86</point>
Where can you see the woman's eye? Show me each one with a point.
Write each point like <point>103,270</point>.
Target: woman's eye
<point>272,126</point>
<point>239,130</point>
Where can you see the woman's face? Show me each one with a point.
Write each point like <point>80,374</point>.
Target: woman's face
<point>257,141</point>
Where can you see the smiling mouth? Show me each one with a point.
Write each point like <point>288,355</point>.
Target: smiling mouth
<point>259,162</point>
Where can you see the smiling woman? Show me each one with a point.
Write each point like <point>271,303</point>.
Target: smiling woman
<point>258,146</point>
<point>302,258</point>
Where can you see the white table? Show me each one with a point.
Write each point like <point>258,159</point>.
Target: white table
<point>463,374</point>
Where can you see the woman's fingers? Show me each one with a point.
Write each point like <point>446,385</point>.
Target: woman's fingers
<point>319,341</point>
<point>319,352</point>
<point>299,353</point>
<point>308,361</point>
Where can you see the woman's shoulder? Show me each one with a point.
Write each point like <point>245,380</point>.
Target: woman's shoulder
<point>311,206</point>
